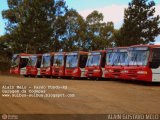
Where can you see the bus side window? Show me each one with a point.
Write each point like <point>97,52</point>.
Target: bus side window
<point>156,54</point>
<point>155,59</point>
<point>83,60</point>
<point>103,60</point>
<point>38,62</point>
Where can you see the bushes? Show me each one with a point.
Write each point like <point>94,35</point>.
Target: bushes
<point>4,63</point>
<point>4,66</point>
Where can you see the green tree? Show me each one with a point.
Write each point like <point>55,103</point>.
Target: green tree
<point>5,53</point>
<point>58,26</point>
<point>99,33</point>
<point>31,24</point>
<point>140,24</point>
<point>74,37</point>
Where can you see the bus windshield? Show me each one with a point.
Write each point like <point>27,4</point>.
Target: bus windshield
<point>72,61</point>
<point>119,58</point>
<point>93,60</point>
<point>109,58</point>
<point>138,57</point>
<point>32,61</point>
<point>15,61</point>
<point>46,61</point>
<point>58,60</point>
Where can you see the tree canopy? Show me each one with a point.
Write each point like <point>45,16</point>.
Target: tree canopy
<point>141,26</point>
<point>99,33</point>
<point>31,23</point>
<point>40,26</point>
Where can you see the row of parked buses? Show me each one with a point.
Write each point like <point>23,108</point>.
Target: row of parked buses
<point>138,62</point>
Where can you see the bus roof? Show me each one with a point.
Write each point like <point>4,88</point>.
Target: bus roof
<point>116,49</point>
<point>97,52</point>
<point>60,53</point>
<point>48,54</point>
<point>77,52</point>
<point>100,51</point>
<point>38,55</point>
<point>24,54</point>
<point>149,46</point>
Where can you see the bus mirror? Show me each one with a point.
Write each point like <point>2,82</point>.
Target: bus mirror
<point>154,64</point>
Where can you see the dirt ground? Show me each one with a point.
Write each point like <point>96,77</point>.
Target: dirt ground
<point>91,97</point>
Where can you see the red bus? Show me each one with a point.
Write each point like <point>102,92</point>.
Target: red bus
<point>58,67</point>
<point>46,64</point>
<point>75,64</point>
<point>19,63</point>
<point>144,63</point>
<point>34,64</point>
<point>95,64</point>
<point>116,59</point>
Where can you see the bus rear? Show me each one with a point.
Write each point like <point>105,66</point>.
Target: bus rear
<point>33,66</point>
<point>58,67</point>
<point>46,64</point>
<point>75,64</point>
<point>95,64</point>
<point>144,63</point>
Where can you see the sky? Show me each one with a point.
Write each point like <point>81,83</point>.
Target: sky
<point>113,10</point>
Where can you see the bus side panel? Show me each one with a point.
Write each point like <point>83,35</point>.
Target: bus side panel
<point>103,72</point>
<point>82,72</point>
<point>38,71</point>
<point>156,75</point>
<point>23,71</point>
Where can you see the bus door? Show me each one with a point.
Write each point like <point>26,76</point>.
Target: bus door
<point>23,63</point>
<point>39,59</point>
<point>82,64</point>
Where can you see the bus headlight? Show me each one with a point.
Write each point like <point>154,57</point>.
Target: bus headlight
<point>111,71</point>
<point>124,71</point>
<point>106,71</point>
<point>48,69</point>
<point>96,70</point>
<point>75,71</point>
<point>142,72</point>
